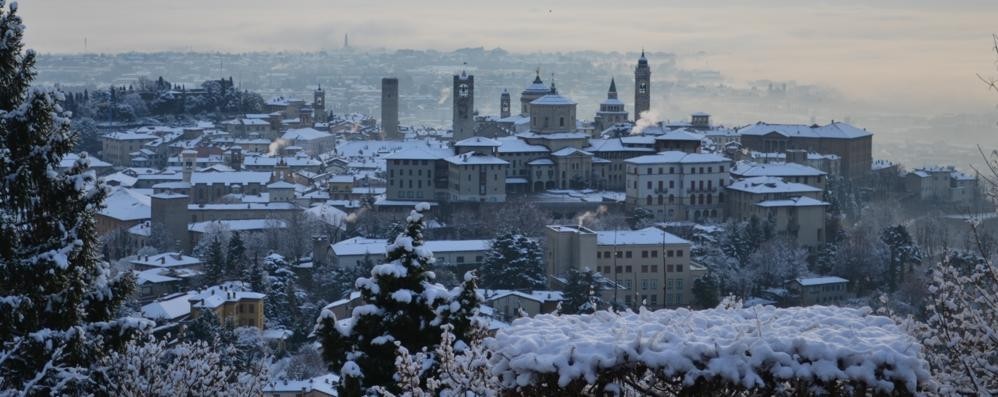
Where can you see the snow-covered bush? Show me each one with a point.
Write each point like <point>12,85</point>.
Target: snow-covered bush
<point>723,351</point>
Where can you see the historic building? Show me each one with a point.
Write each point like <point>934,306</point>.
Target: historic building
<point>678,186</point>
<point>642,86</point>
<point>464,106</point>
<point>611,111</point>
<point>854,146</point>
<point>390,108</point>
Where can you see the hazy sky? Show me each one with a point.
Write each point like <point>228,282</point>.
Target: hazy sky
<point>909,54</point>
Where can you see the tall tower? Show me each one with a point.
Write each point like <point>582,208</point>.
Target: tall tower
<point>390,108</point>
<point>642,86</point>
<point>319,104</point>
<point>464,106</point>
<point>504,104</point>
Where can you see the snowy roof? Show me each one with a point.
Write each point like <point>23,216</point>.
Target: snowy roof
<point>377,247</point>
<point>328,213</point>
<point>821,280</point>
<point>568,151</point>
<point>751,169</point>
<point>617,145</point>
<point>305,134</point>
<point>475,158</point>
<point>768,184</point>
<point>160,275</point>
<point>215,296</point>
<point>129,136</point>
<point>740,346</point>
<point>163,260</point>
<point>271,161</point>
<point>793,202</point>
<point>552,100</point>
<point>539,296</point>
<point>69,160</point>
<point>127,205</point>
<point>835,130</point>
<point>230,178</point>
<point>168,309</point>
<point>516,145</point>
<point>554,135</point>
<point>419,153</point>
<point>544,161</point>
<point>478,141</point>
<point>612,101</point>
<point>675,135</point>
<point>281,185</point>
<point>238,225</point>
<point>672,157</point>
<point>325,384</point>
<point>646,236</point>
<point>249,205</point>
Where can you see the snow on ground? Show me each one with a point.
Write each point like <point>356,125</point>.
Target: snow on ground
<point>740,346</point>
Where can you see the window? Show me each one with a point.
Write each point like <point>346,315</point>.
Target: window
<point>619,269</point>
<point>620,254</point>
<point>459,259</point>
<point>679,268</point>
<point>670,268</point>
<point>679,253</point>
<point>644,254</point>
<point>672,184</point>
<point>606,254</point>
<point>670,253</point>
<point>599,254</point>
<point>654,254</point>
<point>672,170</point>
<point>628,254</point>
<point>628,269</point>
<point>644,268</point>
<point>654,268</point>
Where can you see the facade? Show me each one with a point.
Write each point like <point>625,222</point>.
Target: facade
<point>476,177</point>
<point>508,305</point>
<point>117,147</point>
<point>642,87</point>
<point>678,186</point>
<point>311,140</point>
<point>611,111</point>
<point>942,185</point>
<point>535,90</point>
<point>789,172</point>
<point>504,104</point>
<point>795,209</point>
<point>647,266</point>
<point>464,106</point>
<point>854,146</point>
<point>390,108</point>
<point>319,105</point>
<point>820,290</point>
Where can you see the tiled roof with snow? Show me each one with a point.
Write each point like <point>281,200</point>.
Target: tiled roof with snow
<point>537,295</point>
<point>793,202</point>
<point>646,236</point>
<point>552,99</point>
<point>324,384</point>
<point>475,158</point>
<point>834,130</point>
<point>377,247</point>
<point>420,153</point>
<point>165,260</point>
<point>750,169</point>
<point>478,141</point>
<point>305,134</point>
<point>127,205</point>
<point>517,145</point>
<point>672,157</point>
<point>230,178</point>
<point>809,281</point>
<point>568,151</point>
<point>766,184</point>
<point>238,225</point>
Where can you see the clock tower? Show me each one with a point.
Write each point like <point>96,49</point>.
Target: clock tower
<point>642,87</point>
<point>464,106</point>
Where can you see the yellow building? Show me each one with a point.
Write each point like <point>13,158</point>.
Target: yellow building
<point>240,308</point>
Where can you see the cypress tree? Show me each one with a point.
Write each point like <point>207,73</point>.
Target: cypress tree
<point>57,299</point>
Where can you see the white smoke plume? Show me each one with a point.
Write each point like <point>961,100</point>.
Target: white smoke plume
<point>590,216</point>
<point>444,95</point>
<point>352,218</point>
<point>276,146</point>
<point>648,118</point>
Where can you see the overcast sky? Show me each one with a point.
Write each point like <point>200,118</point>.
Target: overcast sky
<point>913,53</point>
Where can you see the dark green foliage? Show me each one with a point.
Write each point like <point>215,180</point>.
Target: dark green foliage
<point>514,262</point>
<point>58,301</point>
<point>235,258</point>
<point>903,254</point>
<point>706,291</point>
<point>582,292</point>
<point>215,262</point>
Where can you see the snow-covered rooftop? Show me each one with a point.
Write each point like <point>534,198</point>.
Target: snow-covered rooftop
<point>802,201</point>
<point>475,158</point>
<point>305,134</point>
<point>165,260</point>
<point>238,225</point>
<point>747,169</point>
<point>809,281</point>
<point>834,130</point>
<point>230,178</point>
<point>768,184</point>
<point>646,236</point>
<point>552,100</point>
<point>127,205</point>
<point>377,247</point>
<point>673,157</point>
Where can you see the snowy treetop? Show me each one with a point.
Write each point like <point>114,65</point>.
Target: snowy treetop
<point>740,347</point>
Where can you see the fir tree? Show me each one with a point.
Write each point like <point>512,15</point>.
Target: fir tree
<point>903,253</point>
<point>57,299</point>
<point>581,292</point>
<point>255,275</point>
<point>215,262</point>
<point>401,308</point>
<point>235,258</point>
<point>282,305</point>
<point>463,321</point>
<point>513,262</point>
<point>706,291</point>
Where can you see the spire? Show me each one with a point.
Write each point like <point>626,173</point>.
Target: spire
<point>612,92</point>
<point>642,60</point>
<point>553,89</point>
<point>537,78</point>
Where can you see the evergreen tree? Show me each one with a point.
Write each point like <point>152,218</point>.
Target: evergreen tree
<point>706,291</point>
<point>463,321</point>
<point>582,292</point>
<point>513,262</point>
<point>235,258</point>
<point>255,275</point>
<point>903,253</point>
<point>282,305</point>
<point>215,262</point>
<point>401,308</point>
<point>57,299</point>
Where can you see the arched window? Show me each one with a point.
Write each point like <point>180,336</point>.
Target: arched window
<point>648,200</point>
<point>701,198</point>
<point>672,199</point>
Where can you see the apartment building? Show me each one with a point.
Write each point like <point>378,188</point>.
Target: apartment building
<point>647,266</point>
<point>678,186</point>
<point>795,209</point>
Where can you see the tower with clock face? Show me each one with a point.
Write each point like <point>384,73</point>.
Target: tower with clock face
<point>464,106</point>
<point>642,87</point>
